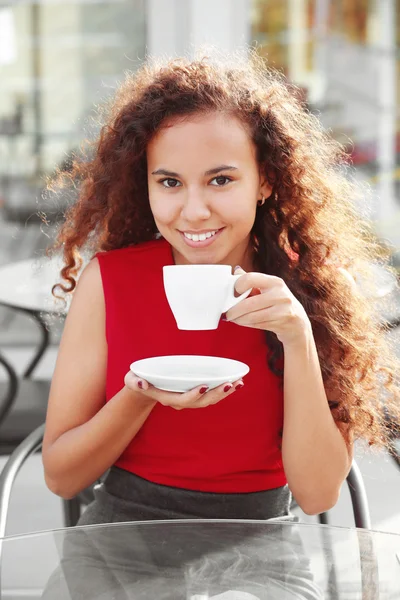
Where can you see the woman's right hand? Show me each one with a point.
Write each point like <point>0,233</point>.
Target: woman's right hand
<point>198,397</point>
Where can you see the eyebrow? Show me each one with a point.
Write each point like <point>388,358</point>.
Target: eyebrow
<point>209,172</point>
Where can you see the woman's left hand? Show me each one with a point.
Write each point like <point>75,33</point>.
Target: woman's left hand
<point>270,306</point>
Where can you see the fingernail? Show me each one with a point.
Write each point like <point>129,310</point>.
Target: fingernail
<point>227,388</point>
<point>239,386</point>
<point>203,389</point>
<point>223,317</point>
<point>140,384</point>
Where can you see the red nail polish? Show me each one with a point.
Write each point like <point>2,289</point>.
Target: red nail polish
<point>239,386</point>
<point>140,384</point>
<point>203,390</point>
<point>227,388</point>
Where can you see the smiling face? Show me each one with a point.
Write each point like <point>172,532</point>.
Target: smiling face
<point>204,183</point>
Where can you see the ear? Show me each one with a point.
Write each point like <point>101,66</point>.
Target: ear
<point>265,188</point>
<point>266,181</point>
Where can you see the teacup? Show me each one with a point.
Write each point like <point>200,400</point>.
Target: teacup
<point>199,294</point>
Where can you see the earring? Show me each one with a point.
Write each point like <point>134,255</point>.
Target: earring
<point>261,201</point>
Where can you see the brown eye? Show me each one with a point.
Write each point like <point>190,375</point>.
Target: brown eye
<point>172,183</point>
<point>221,180</point>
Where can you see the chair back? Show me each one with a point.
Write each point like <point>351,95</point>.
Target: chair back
<point>359,500</point>
<point>10,471</point>
<point>9,391</point>
<point>34,441</point>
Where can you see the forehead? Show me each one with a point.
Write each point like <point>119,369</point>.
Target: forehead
<point>212,137</point>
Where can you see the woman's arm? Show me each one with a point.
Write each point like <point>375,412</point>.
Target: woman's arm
<point>315,455</point>
<point>321,447</point>
<point>84,436</point>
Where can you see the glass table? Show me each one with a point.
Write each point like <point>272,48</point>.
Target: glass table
<point>25,286</point>
<point>202,560</point>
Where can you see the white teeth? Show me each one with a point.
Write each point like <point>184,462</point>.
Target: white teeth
<point>199,237</point>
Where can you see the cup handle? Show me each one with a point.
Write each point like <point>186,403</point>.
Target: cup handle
<point>232,300</point>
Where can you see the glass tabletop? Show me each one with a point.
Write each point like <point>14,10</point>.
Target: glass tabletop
<point>202,560</point>
<point>28,283</point>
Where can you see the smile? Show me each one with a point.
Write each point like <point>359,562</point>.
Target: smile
<point>205,238</point>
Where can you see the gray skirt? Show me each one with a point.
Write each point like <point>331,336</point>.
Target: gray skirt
<point>126,497</point>
<point>133,565</point>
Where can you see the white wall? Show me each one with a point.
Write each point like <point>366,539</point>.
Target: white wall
<point>177,27</point>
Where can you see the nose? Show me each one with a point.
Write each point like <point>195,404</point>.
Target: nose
<point>195,207</point>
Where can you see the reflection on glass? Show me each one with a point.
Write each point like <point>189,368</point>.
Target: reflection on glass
<point>203,560</point>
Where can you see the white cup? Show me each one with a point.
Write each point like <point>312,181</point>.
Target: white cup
<point>199,294</point>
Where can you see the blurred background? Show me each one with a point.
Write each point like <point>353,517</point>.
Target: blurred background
<point>60,59</point>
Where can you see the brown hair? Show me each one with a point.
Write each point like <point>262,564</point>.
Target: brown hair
<point>306,229</point>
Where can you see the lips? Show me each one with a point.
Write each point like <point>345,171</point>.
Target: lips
<point>202,243</point>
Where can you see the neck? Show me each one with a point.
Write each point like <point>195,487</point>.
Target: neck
<point>247,259</point>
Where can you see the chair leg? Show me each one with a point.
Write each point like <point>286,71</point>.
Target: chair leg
<point>323,518</point>
<point>362,517</point>
<point>10,470</point>
<point>394,450</point>
<point>72,512</point>
<point>332,590</point>
<point>44,343</point>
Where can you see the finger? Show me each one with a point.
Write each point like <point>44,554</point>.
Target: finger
<point>238,385</point>
<point>248,305</point>
<point>136,383</point>
<point>182,400</point>
<point>229,388</point>
<point>268,324</point>
<point>179,400</point>
<point>271,315</point>
<point>263,301</point>
<point>255,280</point>
<point>238,270</point>
<point>167,398</point>
<point>217,394</point>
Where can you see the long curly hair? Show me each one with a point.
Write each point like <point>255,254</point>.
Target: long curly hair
<point>307,231</point>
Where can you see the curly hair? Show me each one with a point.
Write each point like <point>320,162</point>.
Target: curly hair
<point>307,231</point>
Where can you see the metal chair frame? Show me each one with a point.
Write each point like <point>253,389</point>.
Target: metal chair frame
<point>12,389</point>
<point>359,500</point>
<point>27,448</point>
<point>72,508</point>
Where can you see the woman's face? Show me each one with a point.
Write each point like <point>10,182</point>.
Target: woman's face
<point>204,184</point>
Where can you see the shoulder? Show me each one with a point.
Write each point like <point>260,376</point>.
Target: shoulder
<point>86,303</point>
<point>89,281</point>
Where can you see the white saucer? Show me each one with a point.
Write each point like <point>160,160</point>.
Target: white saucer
<point>183,373</point>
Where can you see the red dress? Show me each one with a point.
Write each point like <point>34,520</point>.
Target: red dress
<point>230,447</point>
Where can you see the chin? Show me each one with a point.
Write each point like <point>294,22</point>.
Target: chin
<point>195,259</point>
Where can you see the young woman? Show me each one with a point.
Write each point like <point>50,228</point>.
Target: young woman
<point>199,147</point>
<point>202,147</point>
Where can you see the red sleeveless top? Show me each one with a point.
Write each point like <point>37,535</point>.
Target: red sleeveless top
<point>232,446</point>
